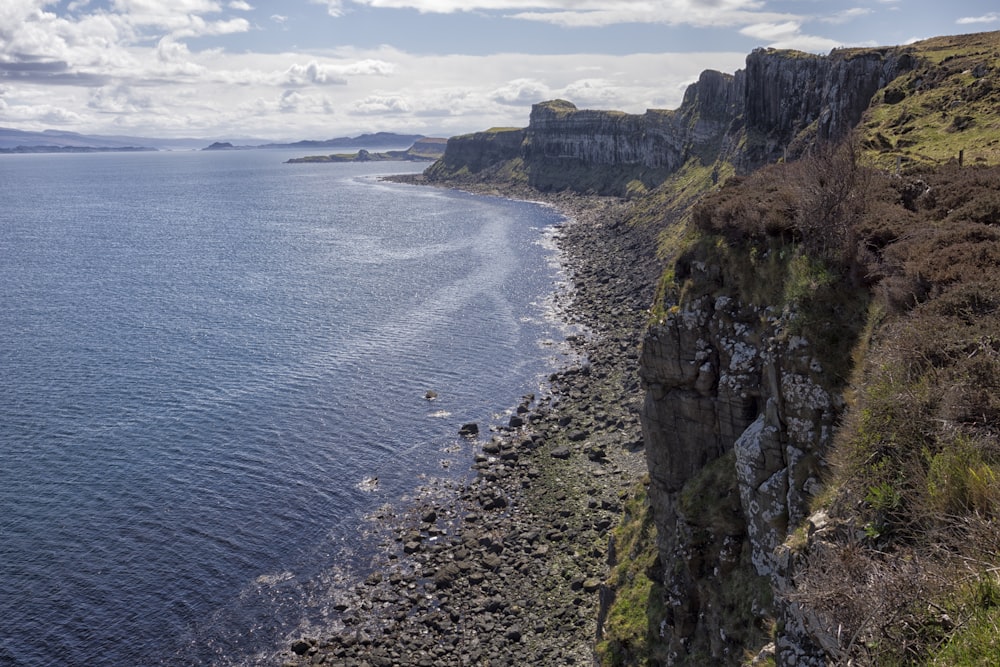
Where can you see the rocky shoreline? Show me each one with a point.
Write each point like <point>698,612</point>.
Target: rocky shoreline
<point>508,568</point>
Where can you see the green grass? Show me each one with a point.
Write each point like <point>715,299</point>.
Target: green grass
<point>976,640</point>
<point>631,627</point>
<point>941,108</point>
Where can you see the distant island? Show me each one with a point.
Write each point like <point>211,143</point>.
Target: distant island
<point>425,149</point>
<point>76,149</point>
<point>377,140</point>
<point>59,141</point>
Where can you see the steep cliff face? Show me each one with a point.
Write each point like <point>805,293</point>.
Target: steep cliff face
<point>562,140</point>
<point>792,99</point>
<point>781,102</point>
<point>741,397</point>
<point>604,152</point>
<point>730,394</point>
<point>470,154</point>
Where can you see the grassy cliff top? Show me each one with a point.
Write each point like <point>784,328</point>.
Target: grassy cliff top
<point>946,107</point>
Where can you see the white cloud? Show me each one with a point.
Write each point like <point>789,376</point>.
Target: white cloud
<point>847,15</point>
<point>290,101</point>
<point>170,51</point>
<point>314,73</point>
<point>520,92</point>
<point>369,67</point>
<point>595,93</point>
<point>596,13</point>
<point>788,35</point>
<point>335,74</point>
<point>240,6</point>
<point>381,104</point>
<point>992,17</point>
<point>772,31</point>
<point>39,116</point>
<point>333,7</point>
<point>119,99</point>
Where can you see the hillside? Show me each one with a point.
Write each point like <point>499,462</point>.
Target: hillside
<point>820,367</point>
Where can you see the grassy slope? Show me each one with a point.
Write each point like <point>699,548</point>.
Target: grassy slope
<point>947,105</point>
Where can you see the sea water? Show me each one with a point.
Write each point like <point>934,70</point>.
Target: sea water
<point>204,355</point>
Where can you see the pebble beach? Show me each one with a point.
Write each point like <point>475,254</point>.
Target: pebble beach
<point>508,566</point>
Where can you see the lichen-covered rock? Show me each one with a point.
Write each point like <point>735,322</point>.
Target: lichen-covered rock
<point>725,387</point>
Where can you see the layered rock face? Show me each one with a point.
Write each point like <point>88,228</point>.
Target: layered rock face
<point>731,397</point>
<point>657,139</point>
<point>473,153</point>
<point>781,102</point>
<point>821,96</point>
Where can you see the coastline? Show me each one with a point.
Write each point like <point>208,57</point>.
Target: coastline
<point>508,567</point>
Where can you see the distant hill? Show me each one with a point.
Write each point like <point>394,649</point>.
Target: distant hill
<point>375,141</point>
<point>58,141</point>
<point>51,141</point>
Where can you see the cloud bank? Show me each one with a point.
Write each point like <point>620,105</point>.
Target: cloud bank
<point>218,68</point>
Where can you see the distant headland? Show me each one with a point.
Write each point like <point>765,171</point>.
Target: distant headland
<point>373,141</point>
<point>425,149</point>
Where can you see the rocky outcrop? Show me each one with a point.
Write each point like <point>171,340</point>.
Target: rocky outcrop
<point>730,395</point>
<point>599,151</point>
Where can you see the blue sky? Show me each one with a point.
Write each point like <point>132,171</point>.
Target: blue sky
<point>317,69</point>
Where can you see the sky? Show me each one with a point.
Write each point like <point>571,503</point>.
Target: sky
<point>318,69</point>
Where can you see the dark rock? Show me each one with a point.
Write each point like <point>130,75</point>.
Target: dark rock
<point>894,95</point>
<point>513,634</point>
<point>302,646</point>
<point>492,561</point>
<point>560,453</point>
<point>446,575</point>
<point>469,430</point>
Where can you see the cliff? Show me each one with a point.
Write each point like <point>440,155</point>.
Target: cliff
<point>782,101</point>
<point>819,366</point>
<point>605,152</point>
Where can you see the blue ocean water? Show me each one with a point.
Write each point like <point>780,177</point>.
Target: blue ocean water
<point>203,354</point>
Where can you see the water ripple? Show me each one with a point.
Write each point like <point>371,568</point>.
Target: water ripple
<point>203,361</point>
